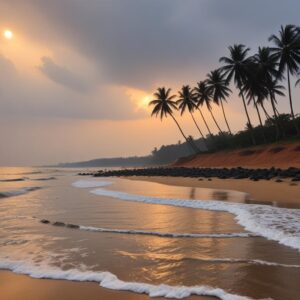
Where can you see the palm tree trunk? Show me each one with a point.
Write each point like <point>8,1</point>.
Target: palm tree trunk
<point>225,117</point>
<point>258,113</point>
<point>212,115</point>
<point>193,146</point>
<point>204,121</point>
<point>276,118</point>
<point>291,102</point>
<point>265,111</point>
<point>260,121</point>
<point>204,140</point>
<point>249,122</point>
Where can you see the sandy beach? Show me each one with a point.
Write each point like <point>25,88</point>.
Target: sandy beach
<point>279,193</point>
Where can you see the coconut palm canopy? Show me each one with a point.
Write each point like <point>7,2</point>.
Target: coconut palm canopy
<point>163,103</point>
<point>257,77</point>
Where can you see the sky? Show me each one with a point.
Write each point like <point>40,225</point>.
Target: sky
<point>76,77</point>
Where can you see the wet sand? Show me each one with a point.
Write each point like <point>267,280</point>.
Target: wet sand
<point>281,194</point>
<point>19,287</point>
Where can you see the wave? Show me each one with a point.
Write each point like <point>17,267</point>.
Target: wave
<point>13,179</point>
<point>155,233</point>
<point>110,281</point>
<point>18,192</point>
<point>170,234</point>
<point>43,178</point>
<point>274,223</point>
<point>90,183</point>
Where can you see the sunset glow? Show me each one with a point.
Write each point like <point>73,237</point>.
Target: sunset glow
<point>8,34</point>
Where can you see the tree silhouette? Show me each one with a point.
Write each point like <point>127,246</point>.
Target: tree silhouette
<point>220,91</point>
<point>187,101</point>
<point>164,106</point>
<point>204,96</point>
<point>287,51</point>
<point>236,67</point>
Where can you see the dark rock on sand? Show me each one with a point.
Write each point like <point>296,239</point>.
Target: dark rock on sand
<point>72,226</point>
<point>44,221</point>
<point>59,224</point>
<point>296,178</point>
<point>200,173</point>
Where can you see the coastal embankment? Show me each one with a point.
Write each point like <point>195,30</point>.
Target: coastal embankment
<point>280,155</point>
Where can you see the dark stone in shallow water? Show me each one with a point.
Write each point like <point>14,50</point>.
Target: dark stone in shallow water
<point>59,224</point>
<point>72,226</point>
<point>44,221</point>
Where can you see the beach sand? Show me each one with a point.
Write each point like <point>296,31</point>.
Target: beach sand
<point>20,287</point>
<point>279,193</point>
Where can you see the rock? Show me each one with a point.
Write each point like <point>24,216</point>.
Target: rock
<point>293,184</point>
<point>278,180</point>
<point>72,226</point>
<point>59,224</point>
<point>296,178</point>
<point>44,221</point>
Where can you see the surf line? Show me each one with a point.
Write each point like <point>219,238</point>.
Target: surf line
<point>155,233</point>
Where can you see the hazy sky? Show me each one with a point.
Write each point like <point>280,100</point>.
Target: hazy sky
<point>77,75</point>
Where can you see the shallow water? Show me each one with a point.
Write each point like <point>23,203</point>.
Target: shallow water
<point>145,242</point>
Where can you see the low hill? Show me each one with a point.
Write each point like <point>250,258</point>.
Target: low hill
<point>281,155</point>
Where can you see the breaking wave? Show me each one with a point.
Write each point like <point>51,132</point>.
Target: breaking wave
<point>110,281</point>
<point>274,223</point>
<point>18,192</point>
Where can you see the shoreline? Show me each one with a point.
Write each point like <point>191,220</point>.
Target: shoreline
<point>263,191</point>
<point>15,286</point>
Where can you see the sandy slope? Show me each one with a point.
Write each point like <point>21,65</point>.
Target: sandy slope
<point>281,155</point>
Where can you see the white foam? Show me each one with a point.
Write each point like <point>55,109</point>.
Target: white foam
<point>90,183</point>
<point>274,223</point>
<point>111,281</point>
<point>170,234</point>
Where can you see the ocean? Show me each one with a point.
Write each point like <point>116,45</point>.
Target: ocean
<point>146,237</point>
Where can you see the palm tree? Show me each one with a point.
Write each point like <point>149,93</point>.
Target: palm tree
<point>236,67</point>
<point>298,80</point>
<point>255,91</point>
<point>163,106</point>
<point>275,89</point>
<point>204,96</point>
<point>196,93</point>
<point>187,101</point>
<point>219,88</point>
<point>287,51</point>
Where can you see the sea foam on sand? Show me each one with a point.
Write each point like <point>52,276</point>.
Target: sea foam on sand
<point>90,183</point>
<point>111,281</point>
<point>274,223</point>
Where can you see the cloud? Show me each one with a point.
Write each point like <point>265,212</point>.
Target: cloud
<point>102,59</point>
<point>62,75</point>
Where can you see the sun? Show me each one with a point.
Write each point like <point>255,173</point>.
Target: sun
<point>144,102</point>
<point>8,34</point>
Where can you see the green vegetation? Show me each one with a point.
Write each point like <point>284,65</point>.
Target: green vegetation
<point>257,79</point>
